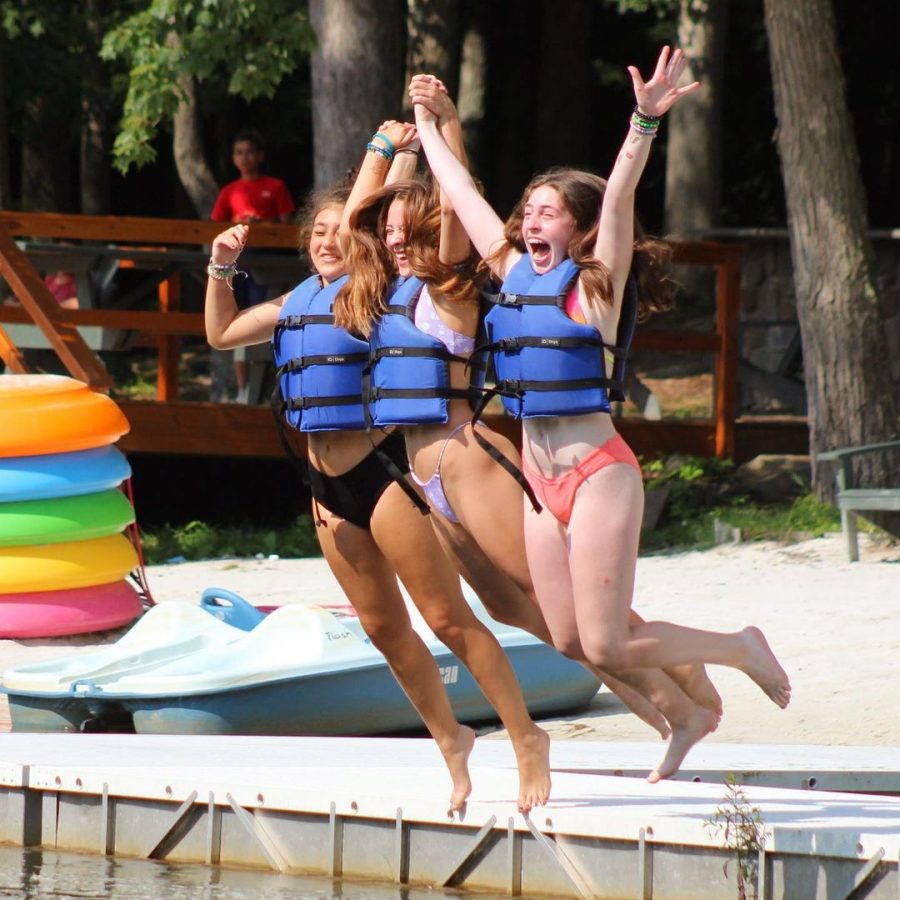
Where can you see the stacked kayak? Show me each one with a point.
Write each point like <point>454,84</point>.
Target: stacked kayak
<point>300,670</point>
<point>64,556</point>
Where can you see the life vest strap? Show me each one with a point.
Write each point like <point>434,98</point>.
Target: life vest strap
<point>379,393</point>
<point>440,353</point>
<point>510,299</point>
<point>398,476</point>
<point>299,363</point>
<point>304,320</point>
<point>296,404</point>
<point>516,388</point>
<point>498,457</point>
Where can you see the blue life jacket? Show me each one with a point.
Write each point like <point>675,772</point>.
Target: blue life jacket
<point>318,365</point>
<point>409,377</point>
<point>545,363</point>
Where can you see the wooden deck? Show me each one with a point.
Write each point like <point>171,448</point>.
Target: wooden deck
<point>170,425</point>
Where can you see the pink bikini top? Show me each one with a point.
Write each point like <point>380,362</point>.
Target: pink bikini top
<point>576,314</point>
<point>428,320</point>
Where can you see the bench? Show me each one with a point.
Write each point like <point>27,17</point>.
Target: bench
<point>852,498</point>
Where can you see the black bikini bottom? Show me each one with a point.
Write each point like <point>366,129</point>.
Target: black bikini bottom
<point>355,494</point>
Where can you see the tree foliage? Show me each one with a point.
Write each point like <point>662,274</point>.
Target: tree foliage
<point>251,45</point>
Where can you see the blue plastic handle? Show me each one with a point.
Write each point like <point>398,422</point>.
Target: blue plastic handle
<point>234,611</point>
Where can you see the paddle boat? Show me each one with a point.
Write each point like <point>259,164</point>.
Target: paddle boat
<point>298,670</point>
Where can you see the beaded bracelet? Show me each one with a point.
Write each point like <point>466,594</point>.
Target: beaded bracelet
<point>649,129</point>
<point>375,148</point>
<point>646,116</point>
<point>220,272</point>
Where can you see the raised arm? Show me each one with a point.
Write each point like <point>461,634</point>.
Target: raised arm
<point>381,165</point>
<point>483,226</point>
<point>431,93</point>
<point>226,325</point>
<point>615,235</point>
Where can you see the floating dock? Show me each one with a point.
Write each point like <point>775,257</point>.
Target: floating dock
<point>375,808</point>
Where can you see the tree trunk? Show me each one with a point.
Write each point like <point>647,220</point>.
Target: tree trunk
<point>46,159</point>
<point>694,141</point>
<point>190,160</point>
<point>472,84</point>
<point>357,78</point>
<point>512,89</point>
<point>432,44</point>
<point>5,187</point>
<point>563,109</point>
<point>849,391</point>
<point>94,162</point>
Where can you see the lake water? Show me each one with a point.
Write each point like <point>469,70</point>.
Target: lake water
<point>34,874</point>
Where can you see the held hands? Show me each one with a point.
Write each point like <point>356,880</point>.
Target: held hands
<point>227,246</point>
<point>660,93</point>
<point>430,99</point>
<point>401,134</point>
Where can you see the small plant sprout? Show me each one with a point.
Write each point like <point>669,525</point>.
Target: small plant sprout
<point>741,828</point>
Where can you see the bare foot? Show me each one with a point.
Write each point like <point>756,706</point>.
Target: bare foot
<point>533,759</point>
<point>700,723</point>
<point>457,758</point>
<point>762,666</point>
<point>696,683</point>
<point>639,705</point>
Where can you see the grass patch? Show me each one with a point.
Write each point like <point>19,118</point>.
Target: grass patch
<point>804,518</point>
<point>699,492</point>
<point>200,540</point>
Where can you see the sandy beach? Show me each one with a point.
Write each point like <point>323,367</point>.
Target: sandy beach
<point>835,626</point>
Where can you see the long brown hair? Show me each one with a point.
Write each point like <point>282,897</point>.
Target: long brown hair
<point>581,194</point>
<point>371,264</point>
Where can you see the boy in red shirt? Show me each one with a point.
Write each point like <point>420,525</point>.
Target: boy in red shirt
<point>254,197</point>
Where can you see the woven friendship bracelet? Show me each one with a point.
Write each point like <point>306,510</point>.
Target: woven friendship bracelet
<point>220,272</point>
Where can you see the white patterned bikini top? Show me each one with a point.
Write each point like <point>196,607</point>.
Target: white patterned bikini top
<point>427,319</point>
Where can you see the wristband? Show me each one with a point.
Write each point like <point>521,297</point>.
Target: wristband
<point>388,143</point>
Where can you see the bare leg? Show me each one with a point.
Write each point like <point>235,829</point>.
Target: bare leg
<point>488,549</point>
<point>371,587</point>
<point>553,565</point>
<point>408,542</point>
<point>604,531</point>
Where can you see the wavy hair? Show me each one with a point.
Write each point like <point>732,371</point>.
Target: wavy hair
<point>581,194</point>
<point>335,195</point>
<point>371,266</point>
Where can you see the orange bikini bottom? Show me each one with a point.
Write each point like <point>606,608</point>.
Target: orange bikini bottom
<point>558,494</point>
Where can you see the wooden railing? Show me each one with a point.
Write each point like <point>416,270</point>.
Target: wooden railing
<point>170,426</point>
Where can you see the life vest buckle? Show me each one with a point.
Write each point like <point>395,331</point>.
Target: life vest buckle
<point>505,299</point>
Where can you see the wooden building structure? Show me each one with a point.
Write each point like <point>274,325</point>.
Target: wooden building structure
<point>167,424</point>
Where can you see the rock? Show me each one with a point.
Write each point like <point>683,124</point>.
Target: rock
<point>772,478</point>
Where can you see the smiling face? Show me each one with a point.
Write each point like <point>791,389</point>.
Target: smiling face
<point>395,236</point>
<point>547,228</point>
<point>324,249</point>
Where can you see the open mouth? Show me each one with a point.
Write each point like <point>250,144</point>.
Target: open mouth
<point>540,251</point>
